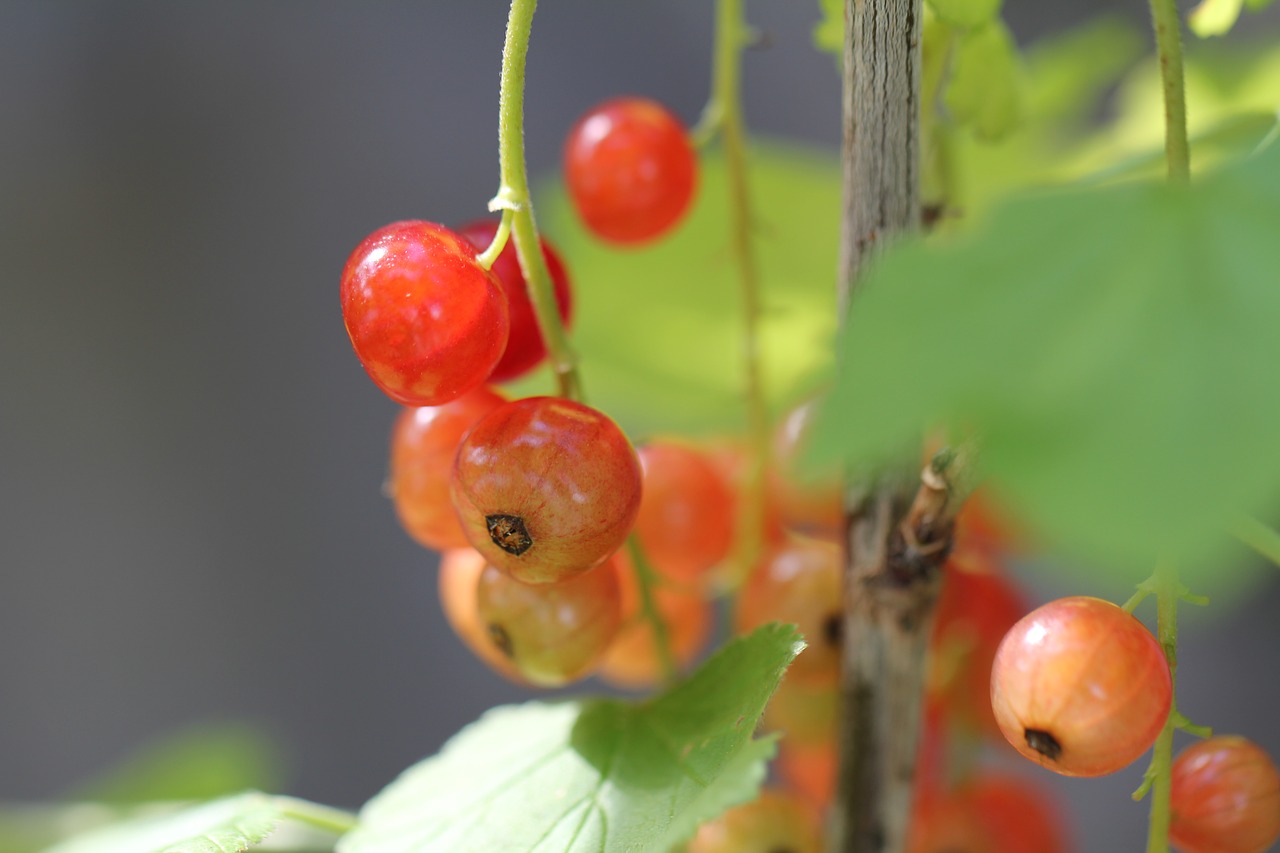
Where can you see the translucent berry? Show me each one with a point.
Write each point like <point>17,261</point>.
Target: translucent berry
<point>552,634</point>
<point>630,169</point>
<point>1080,687</point>
<point>424,442</point>
<point>460,570</point>
<point>800,583</point>
<point>809,770</point>
<point>546,488</point>
<point>426,320</point>
<point>525,349</point>
<point>686,512</point>
<point>808,499</point>
<point>1225,798</point>
<point>633,660</point>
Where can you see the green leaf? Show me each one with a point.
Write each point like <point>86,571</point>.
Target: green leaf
<point>1214,17</point>
<point>985,91</point>
<point>660,329</point>
<point>229,825</point>
<point>966,13</point>
<point>1117,352</point>
<point>197,764</point>
<point>1255,5</point>
<point>828,33</point>
<point>594,775</point>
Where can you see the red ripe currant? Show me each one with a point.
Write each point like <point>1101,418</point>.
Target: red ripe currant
<point>426,320</point>
<point>775,821</point>
<point>630,169</point>
<point>460,570</point>
<point>990,813</point>
<point>800,583</point>
<point>686,512</point>
<point>551,633</point>
<point>424,443</point>
<point>546,488</point>
<point>1225,798</point>
<point>977,608</point>
<point>525,348</point>
<point>808,770</point>
<point>1081,687</point>
<point>632,660</point>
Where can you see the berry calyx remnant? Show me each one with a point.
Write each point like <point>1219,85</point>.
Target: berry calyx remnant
<point>546,488</point>
<point>630,169</point>
<point>1081,687</point>
<point>426,320</point>
<point>525,347</point>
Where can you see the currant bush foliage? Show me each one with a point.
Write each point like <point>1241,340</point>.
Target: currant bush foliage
<point>229,825</point>
<point>591,775</point>
<point>1098,342</point>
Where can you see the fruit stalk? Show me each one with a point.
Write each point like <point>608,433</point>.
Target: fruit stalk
<point>891,570</point>
<point>724,114</point>
<point>1159,775</point>
<point>516,202</point>
<point>1168,28</point>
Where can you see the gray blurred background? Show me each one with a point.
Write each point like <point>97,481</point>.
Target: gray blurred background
<point>191,527</point>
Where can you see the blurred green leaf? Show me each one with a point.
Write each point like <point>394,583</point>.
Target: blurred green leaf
<point>1255,5</point>
<point>592,775</point>
<point>1116,351</point>
<point>1214,17</point>
<point>828,33</point>
<point>985,90</point>
<point>229,825</point>
<point>966,13</point>
<point>660,329</point>
<point>197,764</point>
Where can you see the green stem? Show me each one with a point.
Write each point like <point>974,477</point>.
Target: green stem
<point>1164,16</point>
<point>1260,537</point>
<point>646,580</point>
<point>326,818</point>
<point>725,114</point>
<point>513,198</point>
<point>1159,776</point>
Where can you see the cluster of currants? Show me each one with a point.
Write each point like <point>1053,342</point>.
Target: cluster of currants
<point>531,500</point>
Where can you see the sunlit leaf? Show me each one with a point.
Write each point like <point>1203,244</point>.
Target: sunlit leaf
<point>966,13</point>
<point>594,775</point>
<point>1115,350</point>
<point>985,91</point>
<point>828,33</point>
<point>1214,17</point>
<point>229,825</point>
<point>660,329</point>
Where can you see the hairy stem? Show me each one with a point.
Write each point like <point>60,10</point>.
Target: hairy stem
<point>1168,27</point>
<point>515,201</point>
<point>891,572</point>
<point>723,116</point>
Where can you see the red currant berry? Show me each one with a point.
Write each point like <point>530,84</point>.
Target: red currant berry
<point>977,608</point>
<point>546,488</point>
<point>460,570</point>
<point>686,512</point>
<point>1225,798</point>
<point>775,821</point>
<point>632,660</point>
<point>426,320</point>
<point>1016,814</point>
<point>1080,687</point>
<point>525,349</point>
<point>424,443</point>
<point>551,633</point>
<point>808,770</point>
<point>630,170</point>
<point>800,583</point>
